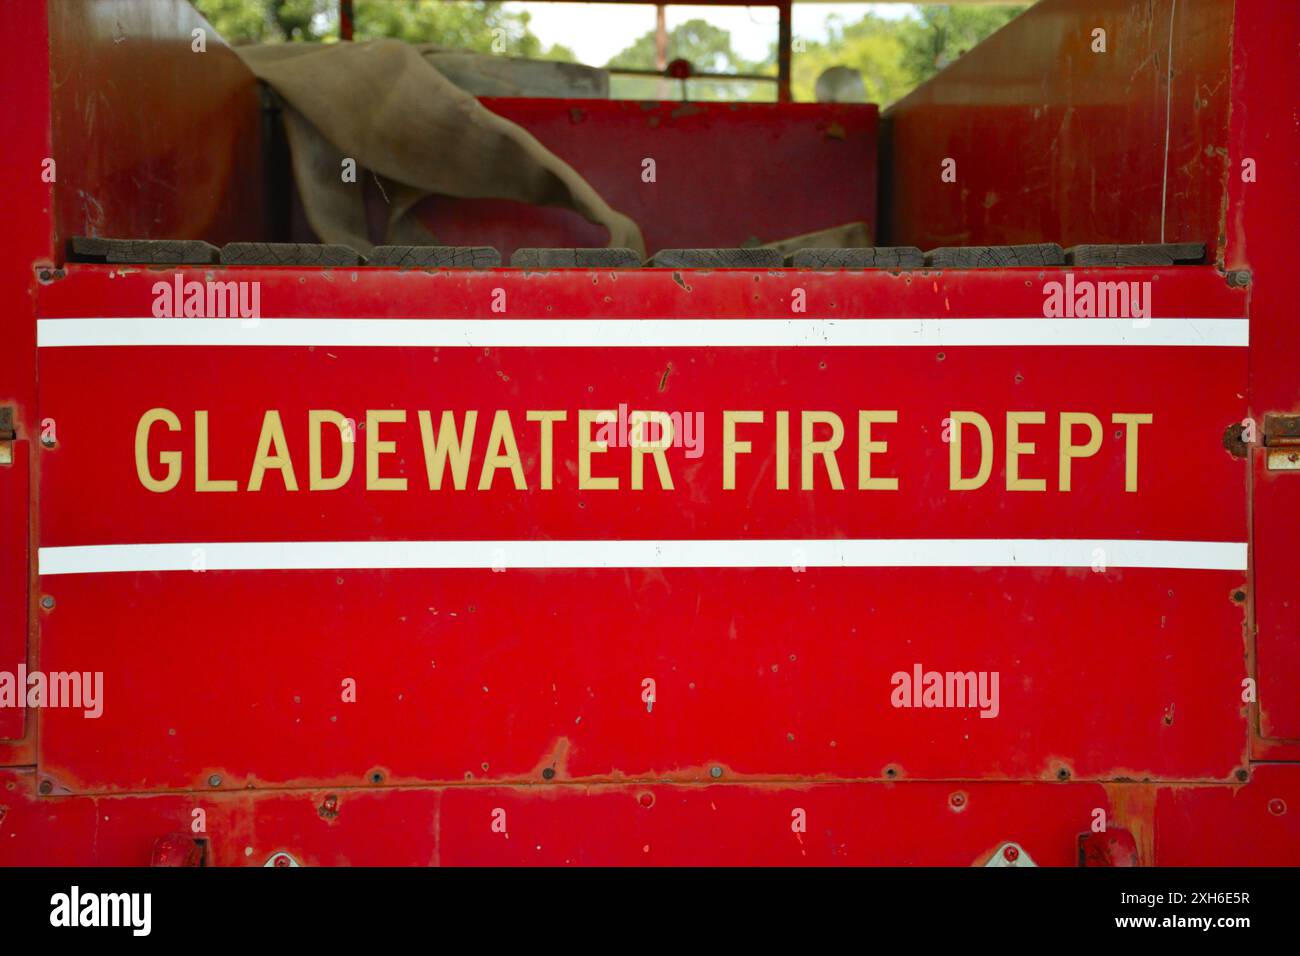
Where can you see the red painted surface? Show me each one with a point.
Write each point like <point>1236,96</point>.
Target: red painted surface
<point>1122,676</point>
<point>1053,142</point>
<point>745,659</point>
<point>1266,131</point>
<point>763,176</point>
<point>26,245</point>
<point>847,824</point>
<point>15,563</point>
<point>153,139</point>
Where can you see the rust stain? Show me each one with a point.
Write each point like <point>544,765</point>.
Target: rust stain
<point>1133,807</point>
<point>1232,440</point>
<point>555,765</point>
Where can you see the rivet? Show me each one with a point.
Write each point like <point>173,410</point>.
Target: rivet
<point>47,602</point>
<point>214,780</point>
<point>548,773</point>
<point>715,772</point>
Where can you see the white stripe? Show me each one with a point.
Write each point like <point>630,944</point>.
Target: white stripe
<point>631,333</point>
<point>743,553</point>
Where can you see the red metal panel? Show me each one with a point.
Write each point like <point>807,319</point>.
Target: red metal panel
<point>1265,150</point>
<point>154,139</point>
<point>762,176</point>
<point>764,673</point>
<point>1055,142</point>
<point>24,81</point>
<point>952,824</point>
<point>14,570</point>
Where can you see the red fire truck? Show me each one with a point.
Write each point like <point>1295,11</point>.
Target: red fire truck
<point>964,546</point>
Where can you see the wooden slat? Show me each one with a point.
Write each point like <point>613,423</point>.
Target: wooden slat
<point>435,257</point>
<point>756,258</point>
<point>878,257</point>
<point>575,259</point>
<point>995,257</point>
<point>288,254</point>
<point>1147,254</point>
<point>143,251</point>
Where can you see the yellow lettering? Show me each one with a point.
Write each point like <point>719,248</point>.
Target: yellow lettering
<point>315,480</point>
<point>587,448</point>
<point>272,437</point>
<point>824,448</point>
<point>447,445</point>
<point>1130,421</point>
<point>867,448</point>
<point>546,422</point>
<point>1069,450</point>
<point>955,480</point>
<point>172,459</point>
<point>731,447</point>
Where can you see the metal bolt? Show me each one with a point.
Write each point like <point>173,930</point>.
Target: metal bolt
<point>47,602</point>
<point>715,772</point>
<point>548,773</point>
<point>214,780</point>
<point>1243,775</point>
<point>45,788</point>
<point>1010,854</point>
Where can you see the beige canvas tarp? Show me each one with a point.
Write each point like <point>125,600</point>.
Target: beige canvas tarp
<point>382,104</point>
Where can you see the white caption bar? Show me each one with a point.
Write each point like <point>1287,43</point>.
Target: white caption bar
<point>638,333</point>
<point>740,553</point>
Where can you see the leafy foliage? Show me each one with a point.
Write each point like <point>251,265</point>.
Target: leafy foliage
<point>893,56</point>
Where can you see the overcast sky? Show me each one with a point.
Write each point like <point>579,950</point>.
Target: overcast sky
<point>596,31</point>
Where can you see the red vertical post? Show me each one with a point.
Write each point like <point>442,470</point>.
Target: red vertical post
<point>345,19</point>
<point>783,44</point>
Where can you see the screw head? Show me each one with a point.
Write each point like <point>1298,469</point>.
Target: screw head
<point>715,772</point>
<point>45,788</point>
<point>548,773</point>
<point>47,602</point>
<point>1010,854</point>
<point>957,800</point>
<point>214,780</point>
<point>1277,806</point>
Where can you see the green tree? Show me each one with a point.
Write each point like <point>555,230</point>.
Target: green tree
<point>873,46</point>
<point>268,21</point>
<point>707,48</point>
<point>943,33</point>
<point>484,26</point>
